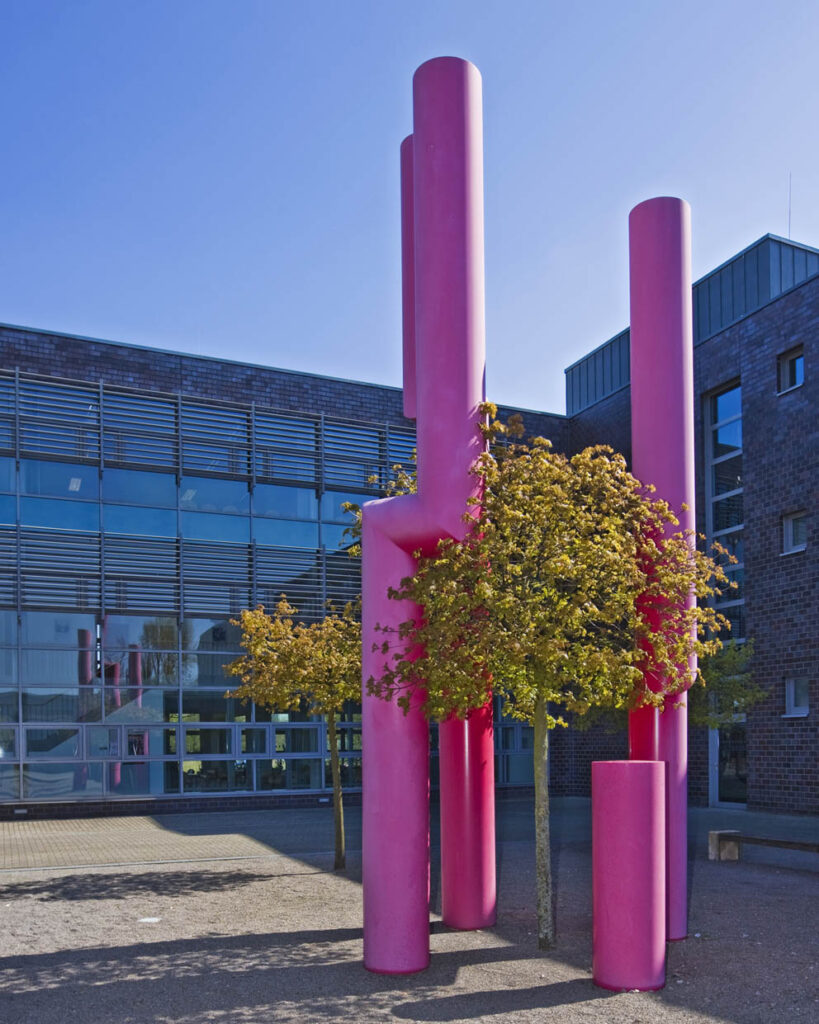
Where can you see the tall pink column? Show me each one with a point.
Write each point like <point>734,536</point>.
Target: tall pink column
<point>662,431</point>
<point>444,358</point>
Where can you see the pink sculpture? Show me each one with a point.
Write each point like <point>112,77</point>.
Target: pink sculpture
<point>628,874</point>
<point>662,432</point>
<point>444,356</point>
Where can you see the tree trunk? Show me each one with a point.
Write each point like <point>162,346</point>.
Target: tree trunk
<point>338,806</point>
<point>543,852</point>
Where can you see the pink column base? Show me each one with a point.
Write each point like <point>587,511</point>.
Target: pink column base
<point>467,764</point>
<point>395,796</point>
<point>628,874</point>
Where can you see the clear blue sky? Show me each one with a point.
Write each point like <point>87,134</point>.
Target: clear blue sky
<point>221,176</point>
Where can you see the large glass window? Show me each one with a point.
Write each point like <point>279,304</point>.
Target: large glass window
<point>50,513</point>
<point>8,509</point>
<point>145,668</point>
<point>145,522</point>
<point>54,743</point>
<point>83,704</point>
<point>136,487</point>
<point>7,474</point>
<point>210,635</point>
<point>59,479</point>
<point>138,704</point>
<point>288,502</point>
<point>51,781</point>
<point>8,706</point>
<point>210,494</point>
<point>59,629</point>
<point>151,632</point>
<point>53,667</point>
<point>9,782</point>
<point>210,526</point>
<point>725,506</point>
<point>285,533</point>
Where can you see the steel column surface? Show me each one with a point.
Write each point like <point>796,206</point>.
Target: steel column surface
<point>444,359</point>
<point>662,432</point>
<point>628,874</point>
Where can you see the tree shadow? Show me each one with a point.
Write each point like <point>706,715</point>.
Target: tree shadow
<point>123,886</point>
<point>500,1002</point>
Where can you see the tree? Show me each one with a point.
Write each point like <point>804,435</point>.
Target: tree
<point>730,688</point>
<point>290,665</point>
<point>566,593</point>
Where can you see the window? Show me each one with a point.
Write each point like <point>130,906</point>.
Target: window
<point>725,510</point>
<point>790,370</point>
<point>797,703</point>
<point>794,532</point>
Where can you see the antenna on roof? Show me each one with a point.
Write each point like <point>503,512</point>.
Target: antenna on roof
<point>789,205</point>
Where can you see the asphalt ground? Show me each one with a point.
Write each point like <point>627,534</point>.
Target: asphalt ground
<point>238,917</point>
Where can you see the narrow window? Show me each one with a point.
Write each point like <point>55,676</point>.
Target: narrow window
<point>790,370</point>
<point>796,698</point>
<point>794,532</point>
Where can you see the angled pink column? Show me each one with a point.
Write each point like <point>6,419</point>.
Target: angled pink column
<point>442,222</point>
<point>662,432</point>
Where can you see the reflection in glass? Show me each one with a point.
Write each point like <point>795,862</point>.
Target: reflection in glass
<point>285,533</point>
<point>43,781</point>
<point>254,741</point>
<point>56,668</point>
<point>208,494</point>
<point>102,742</point>
<point>9,782</point>
<point>8,509</point>
<point>198,706</point>
<point>207,741</point>
<point>70,705</point>
<point>145,522</point>
<point>8,627</point>
<point>727,439</point>
<point>208,670</point>
<point>139,488</point>
<point>8,665</point>
<point>50,513</point>
<point>733,763</point>
<point>8,706</point>
<point>726,405</point>
<point>287,773</point>
<point>296,741</point>
<point>145,668</point>
<point>146,631</point>
<point>59,629</point>
<point>211,635</point>
<point>59,479</point>
<point>216,776</point>
<point>350,772</point>
<point>289,502</point>
<point>210,526</point>
<point>8,744</point>
<point>52,743</point>
<point>331,502</point>
<point>347,739</point>
<point>333,535</point>
<point>148,778</point>
<point>728,512</point>
<point>6,473</point>
<point>727,475</point>
<point>140,704</point>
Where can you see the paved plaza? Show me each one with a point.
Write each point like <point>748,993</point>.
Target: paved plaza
<point>238,917</point>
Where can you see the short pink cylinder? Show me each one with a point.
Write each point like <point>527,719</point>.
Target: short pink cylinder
<point>628,874</point>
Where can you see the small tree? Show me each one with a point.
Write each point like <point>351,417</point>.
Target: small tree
<point>290,665</point>
<point>565,593</point>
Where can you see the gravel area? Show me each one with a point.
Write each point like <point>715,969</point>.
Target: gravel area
<point>238,917</point>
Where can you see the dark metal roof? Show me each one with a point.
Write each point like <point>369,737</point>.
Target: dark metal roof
<point>743,284</point>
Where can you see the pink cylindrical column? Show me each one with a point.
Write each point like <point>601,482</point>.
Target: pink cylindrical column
<point>662,431</point>
<point>450,348</point>
<point>628,872</point>
<point>467,762</point>
<point>395,812</point>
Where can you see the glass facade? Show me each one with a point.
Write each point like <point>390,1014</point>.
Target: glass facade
<point>133,526</point>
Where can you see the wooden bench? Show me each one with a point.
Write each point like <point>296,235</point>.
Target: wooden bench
<point>726,844</point>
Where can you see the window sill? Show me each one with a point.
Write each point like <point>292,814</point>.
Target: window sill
<point>793,551</point>
<point>797,714</point>
<point>787,391</point>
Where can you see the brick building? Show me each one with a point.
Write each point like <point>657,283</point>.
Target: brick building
<point>146,496</point>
